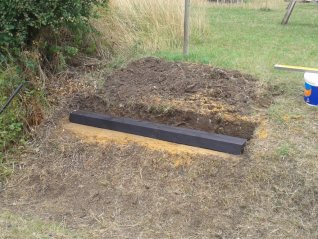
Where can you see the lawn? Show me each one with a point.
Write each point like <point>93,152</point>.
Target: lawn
<point>254,40</point>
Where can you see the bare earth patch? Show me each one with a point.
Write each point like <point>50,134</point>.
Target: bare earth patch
<point>183,94</point>
<point>114,190</point>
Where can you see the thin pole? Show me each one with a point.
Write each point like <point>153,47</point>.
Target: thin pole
<point>296,68</point>
<point>11,97</point>
<point>289,11</point>
<point>186,28</point>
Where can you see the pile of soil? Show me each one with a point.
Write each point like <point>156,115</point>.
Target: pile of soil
<point>182,94</point>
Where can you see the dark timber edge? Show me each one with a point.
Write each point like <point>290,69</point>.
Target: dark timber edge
<point>178,135</point>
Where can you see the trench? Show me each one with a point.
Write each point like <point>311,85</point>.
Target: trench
<point>231,125</point>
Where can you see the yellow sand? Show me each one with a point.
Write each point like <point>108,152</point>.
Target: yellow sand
<point>103,136</point>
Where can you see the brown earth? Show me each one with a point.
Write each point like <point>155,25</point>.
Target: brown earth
<point>133,191</point>
<point>183,94</point>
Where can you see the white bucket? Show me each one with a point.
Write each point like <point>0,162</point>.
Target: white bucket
<point>311,89</point>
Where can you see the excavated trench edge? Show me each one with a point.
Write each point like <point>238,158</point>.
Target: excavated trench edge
<point>213,123</point>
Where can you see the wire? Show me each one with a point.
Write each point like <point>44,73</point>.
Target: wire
<point>17,90</point>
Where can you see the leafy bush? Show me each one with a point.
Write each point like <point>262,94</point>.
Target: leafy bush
<point>36,34</point>
<point>11,125</point>
<point>52,31</point>
<point>22,20</point>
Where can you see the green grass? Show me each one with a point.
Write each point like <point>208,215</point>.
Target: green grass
<point>253,41</point>
<point>15,120</point>
<point>11,126</point>
<point>14,226</point>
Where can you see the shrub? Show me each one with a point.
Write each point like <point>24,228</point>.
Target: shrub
<point>22,20</point>
<point>36,34</point>
<point>11,125</point>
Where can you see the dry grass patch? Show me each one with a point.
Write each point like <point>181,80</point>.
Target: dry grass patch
<point>148,25</point>
<point>129,191</point>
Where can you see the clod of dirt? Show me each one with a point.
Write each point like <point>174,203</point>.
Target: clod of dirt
<point>182,94</point>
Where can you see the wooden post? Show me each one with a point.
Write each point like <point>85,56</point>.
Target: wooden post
<point>289,11</point>
<point>186,28</point>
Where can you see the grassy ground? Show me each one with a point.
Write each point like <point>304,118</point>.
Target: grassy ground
<point>272,194</point>
<point>14,226</point>
<point>254,40</point>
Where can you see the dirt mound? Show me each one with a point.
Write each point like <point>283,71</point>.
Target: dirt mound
<point>182,94</point>
<point>152,78</point>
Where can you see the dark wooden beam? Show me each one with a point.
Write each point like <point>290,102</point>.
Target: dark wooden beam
<point>178,135</point>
